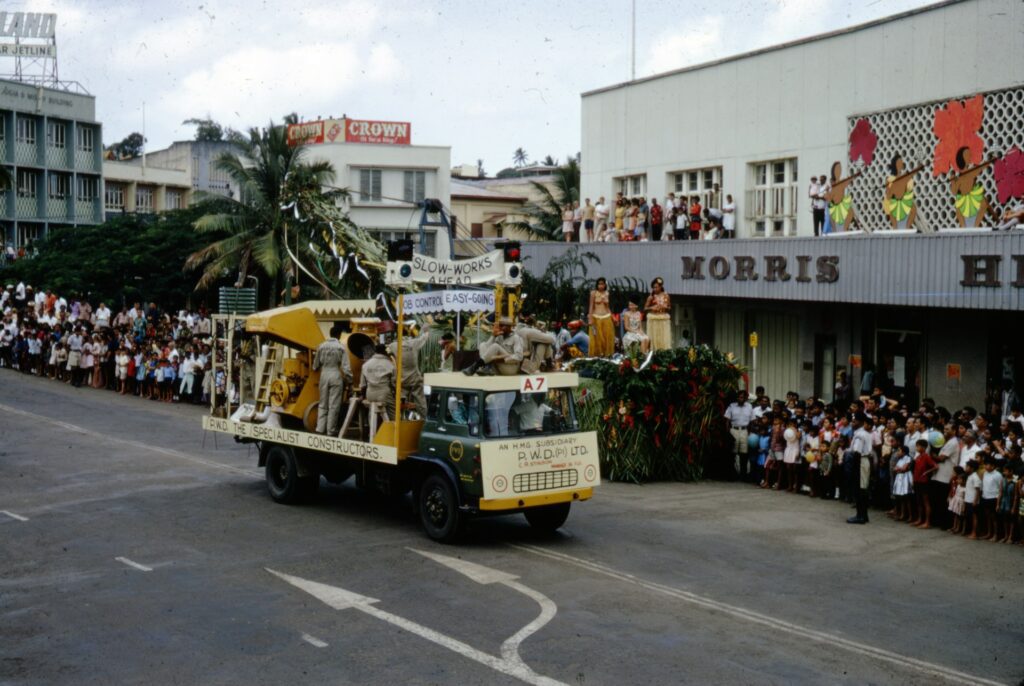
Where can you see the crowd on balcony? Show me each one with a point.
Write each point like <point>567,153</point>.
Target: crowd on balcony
<point>639,219</point>
<point>932,468</point>
<point>140,351</point>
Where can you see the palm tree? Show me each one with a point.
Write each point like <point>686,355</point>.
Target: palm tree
<point>549,161</point>
<point>546,212</point>
<point>283,218</point>
<point>519,157</point>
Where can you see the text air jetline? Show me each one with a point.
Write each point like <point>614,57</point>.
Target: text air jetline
<point>341,599</point>
<point>736,612</point>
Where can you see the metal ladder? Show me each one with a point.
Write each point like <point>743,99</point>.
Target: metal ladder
<point>266,378</point>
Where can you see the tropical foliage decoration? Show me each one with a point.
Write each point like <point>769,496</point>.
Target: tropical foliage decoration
<point>660,419</point>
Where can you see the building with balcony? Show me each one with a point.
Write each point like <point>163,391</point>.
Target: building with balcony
<point>129,187</point>
<point>51,144</point>
<point>387,177</point>
<point>758,125</point>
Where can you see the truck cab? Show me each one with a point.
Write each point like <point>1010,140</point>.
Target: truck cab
<point>505,444</point>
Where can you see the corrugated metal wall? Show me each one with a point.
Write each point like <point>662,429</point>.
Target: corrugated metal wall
<point>918,270</point>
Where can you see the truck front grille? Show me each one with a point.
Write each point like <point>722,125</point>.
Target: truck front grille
<point>542,481</point>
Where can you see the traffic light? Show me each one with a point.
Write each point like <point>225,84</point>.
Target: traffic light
<point>513,263</point>
<point>399,267</point>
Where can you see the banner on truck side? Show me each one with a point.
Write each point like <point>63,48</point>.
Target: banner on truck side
<point>520,467</point>
<point>483,269</point>
<point>448,301</point>
<point>385,454</point>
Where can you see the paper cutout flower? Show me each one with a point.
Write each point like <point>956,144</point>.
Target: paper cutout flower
<point>956,126</point>
<point>1009,173</point>
<point>863,142</point>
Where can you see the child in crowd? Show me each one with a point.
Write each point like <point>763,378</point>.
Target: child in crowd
<point>1004,506</point>
<point>791,455</point>
<point>167,382</point>
<point>140,372</point>
<point>902,483</point>
<point>972,496</point>
<point>777,447</point>
<point>811,452</point>
<point>1020,508</point>
<point>924,467</point>
<point>121,369</point>
<point>956,499</point>
<point>764,448</point>
<point>62,361</point>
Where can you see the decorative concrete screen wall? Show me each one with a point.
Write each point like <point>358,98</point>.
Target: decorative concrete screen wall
<point>908,131</point>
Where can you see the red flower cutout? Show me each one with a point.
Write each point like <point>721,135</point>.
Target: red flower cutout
<point>1009,173</point>
<point>863,142</point>
<point>956,126</point>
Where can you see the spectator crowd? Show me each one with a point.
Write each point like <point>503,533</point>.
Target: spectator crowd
<point>140,351</point>
<point>681,218</point>
<point>927,466</point>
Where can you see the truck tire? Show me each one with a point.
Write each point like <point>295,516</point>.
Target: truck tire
<point>438,507</point>
<point>282,473</point>
<point>547,519</point>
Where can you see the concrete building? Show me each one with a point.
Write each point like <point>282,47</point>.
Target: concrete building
<point>197,159</point>
<point>385,174</point>
<point>935,310</point>
<point>51,144</point>
<point>129,187</point>
<point>487,214</point>
<point>761,123</point>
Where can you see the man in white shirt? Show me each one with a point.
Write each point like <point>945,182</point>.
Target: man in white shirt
<point>739,415</point>
<point>729,217</point>
<point>101,317</point>
<point>969,449</point>
<point>862,450</point>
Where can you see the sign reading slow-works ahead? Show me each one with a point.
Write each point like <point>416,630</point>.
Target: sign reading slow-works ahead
<point>482,269</point>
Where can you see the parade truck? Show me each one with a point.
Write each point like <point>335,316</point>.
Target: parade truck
<point>488,445</point>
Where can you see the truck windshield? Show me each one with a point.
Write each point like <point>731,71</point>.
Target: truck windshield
<point>511,413</point>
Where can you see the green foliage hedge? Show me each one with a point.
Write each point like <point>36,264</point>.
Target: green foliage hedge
<point>661,422</point>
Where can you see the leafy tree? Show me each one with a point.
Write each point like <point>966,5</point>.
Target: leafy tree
<point>520,158</point>
<point>546,213</point>
<point>129,147</point>
<point>127,258</point>
<point>284,221</point>
<point>210,130</point>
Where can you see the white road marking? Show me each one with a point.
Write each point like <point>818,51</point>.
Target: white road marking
<point>14,516</point>
<point>313,641</point>
<point>146,447</point>
<point>486,575</point>
<point>136,565</point>
<point>339,598</point>
<point>740,613</point>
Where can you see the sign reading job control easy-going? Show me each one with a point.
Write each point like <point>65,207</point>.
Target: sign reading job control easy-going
<point>448,301</point>
<point>521,467</point>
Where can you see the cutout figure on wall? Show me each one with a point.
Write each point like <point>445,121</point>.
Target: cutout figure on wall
<point>968,193</point>
<point>898,202</point>
<point>840,205</point>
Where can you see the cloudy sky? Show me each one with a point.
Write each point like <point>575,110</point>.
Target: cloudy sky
<point>482,76</point>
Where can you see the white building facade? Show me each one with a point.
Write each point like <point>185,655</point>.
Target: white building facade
<point>387,177</point>
<point>760,124</point>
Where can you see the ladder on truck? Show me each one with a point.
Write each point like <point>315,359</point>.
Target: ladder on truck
<point>266,378</point>
<point>222,361</point>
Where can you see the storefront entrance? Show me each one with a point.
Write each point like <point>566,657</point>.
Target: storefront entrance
<point>899,359</point>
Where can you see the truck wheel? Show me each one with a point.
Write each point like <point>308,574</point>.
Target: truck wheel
<point>439,508</point>
<point>546,519</point>
<point>283,480</point>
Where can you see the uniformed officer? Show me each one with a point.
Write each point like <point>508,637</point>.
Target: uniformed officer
<point>412,378</point>
<point>504,346</point>
<point>538,346</point>
<point>328,360</point>
<point>377,379</point>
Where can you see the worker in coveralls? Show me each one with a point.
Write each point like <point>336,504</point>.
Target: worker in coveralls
<point>328,360</point>
<point>503,346</point>
<point>412,378</point>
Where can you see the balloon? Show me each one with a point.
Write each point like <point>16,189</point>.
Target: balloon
<point>789,435</point>
<point>936,439</point>
<point>753,440</point>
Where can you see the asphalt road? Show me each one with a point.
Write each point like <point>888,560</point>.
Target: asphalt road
<point>135,550</point>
